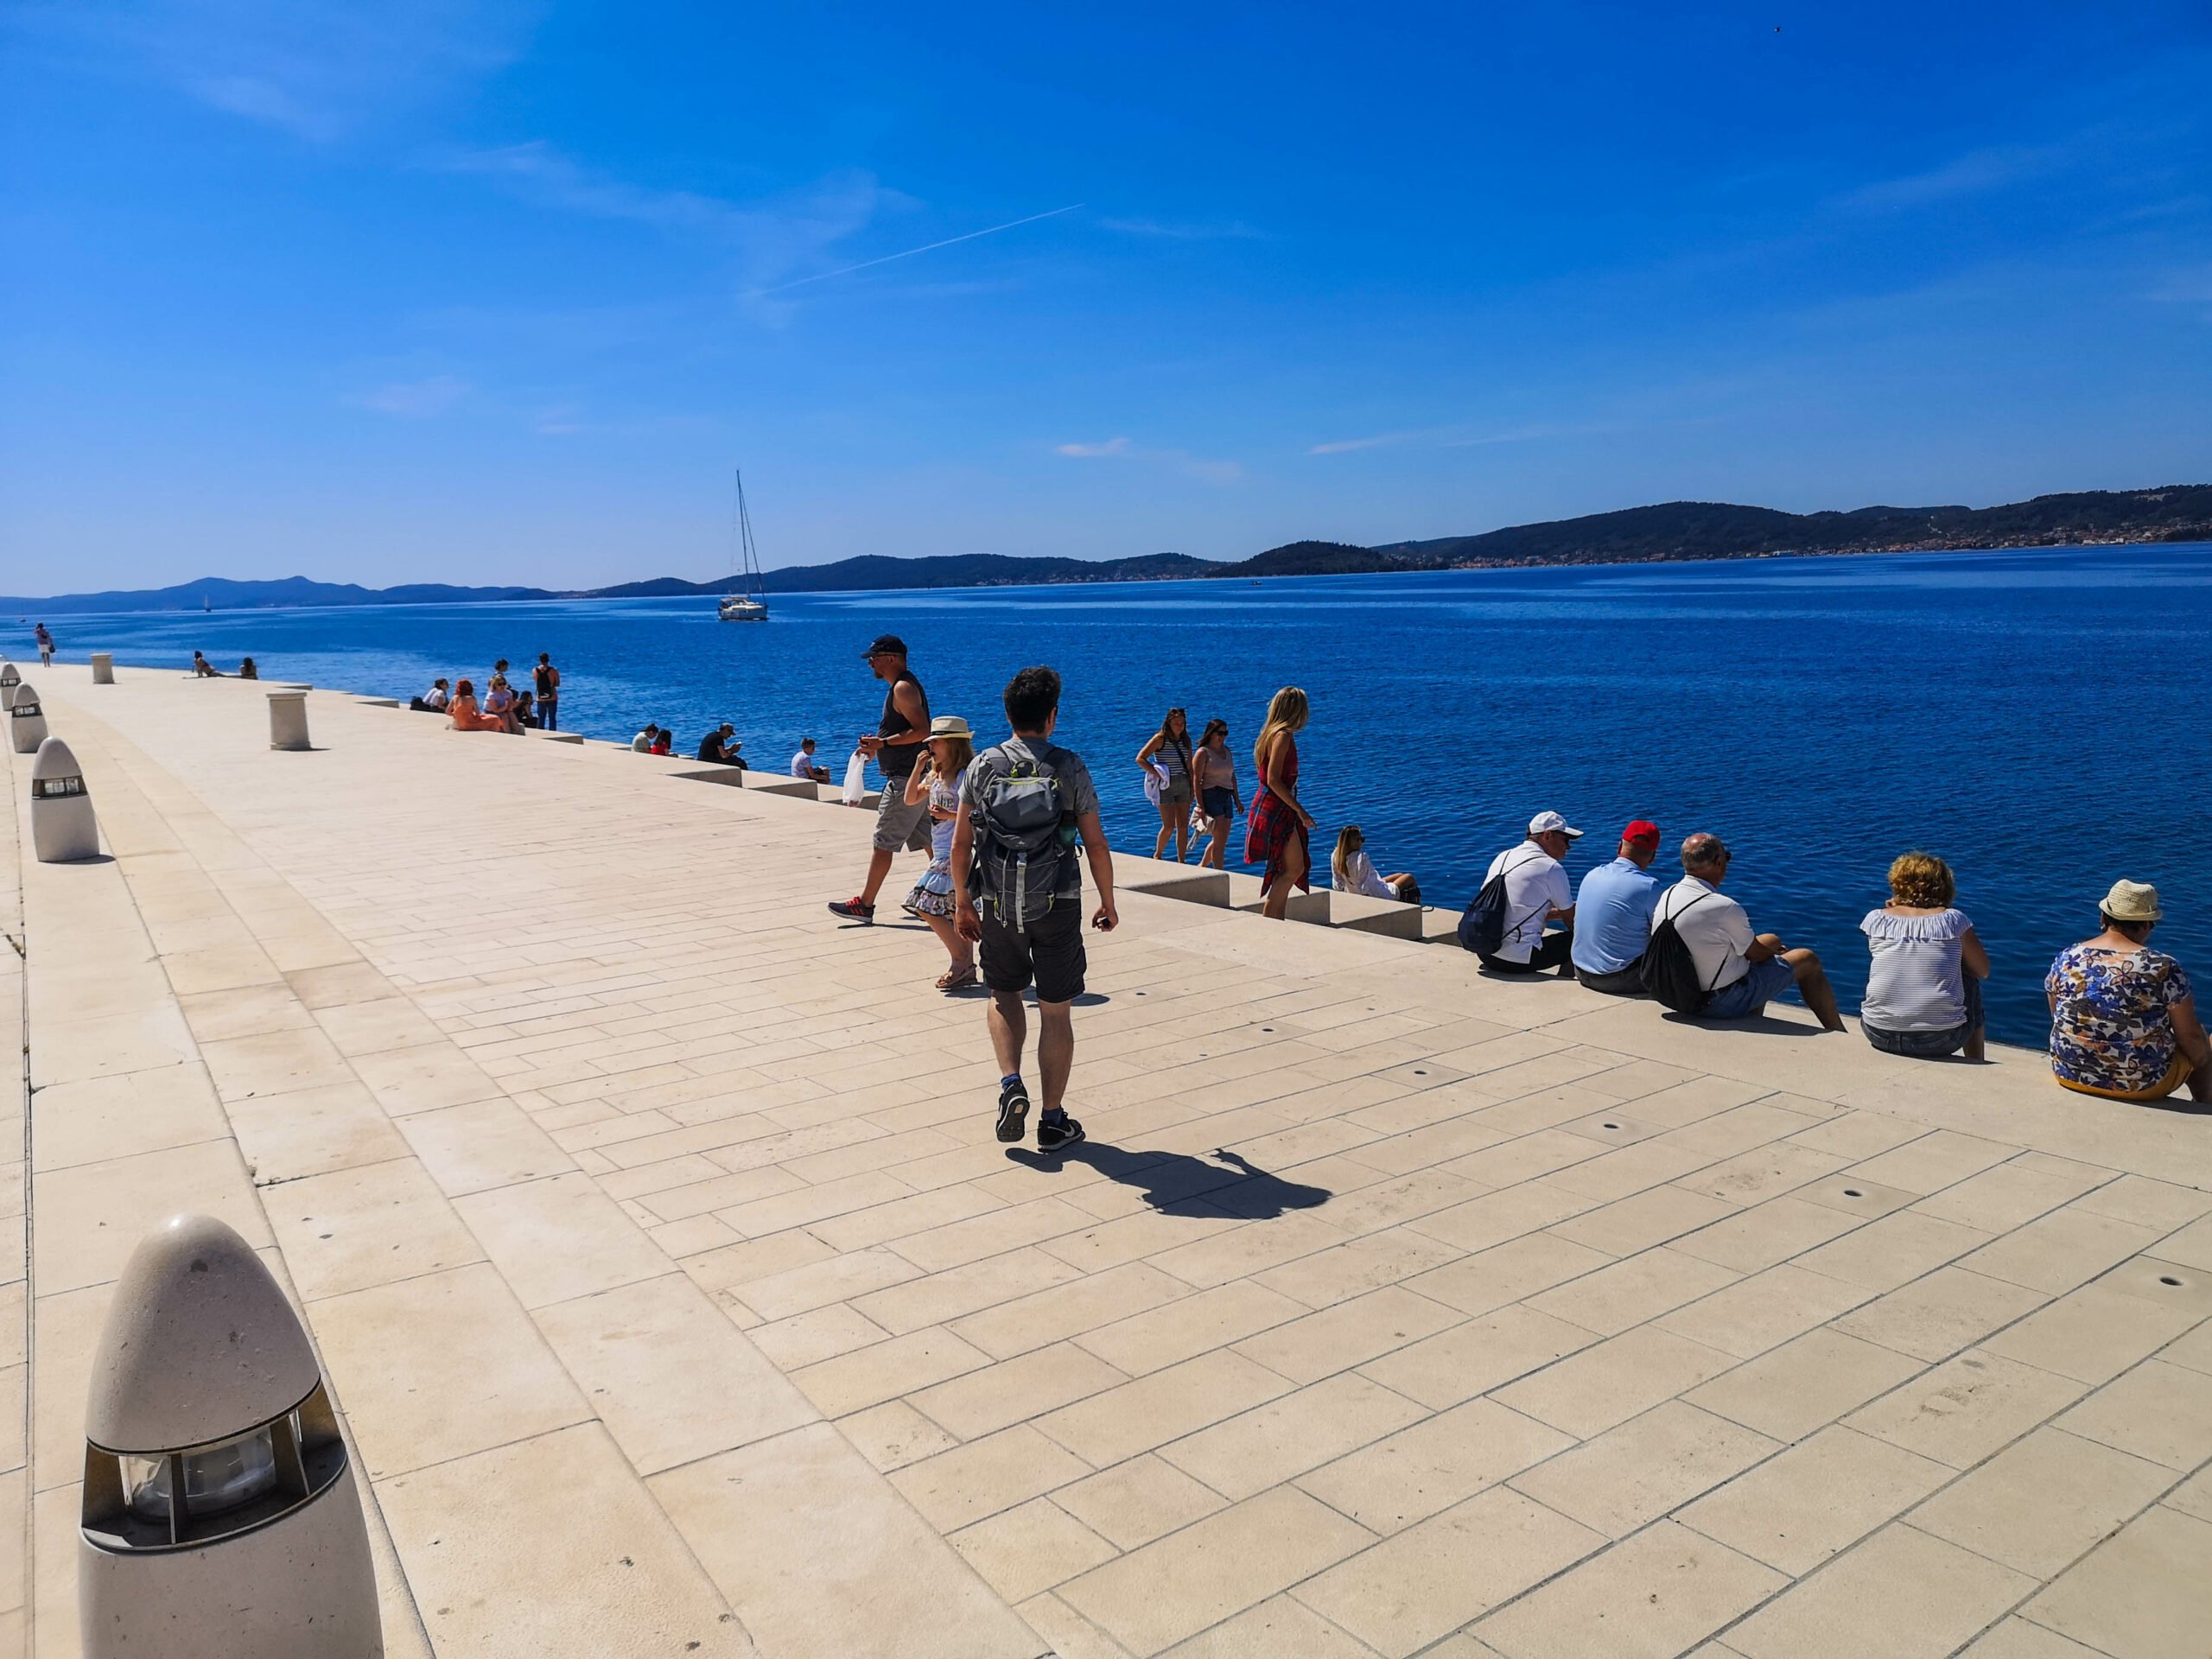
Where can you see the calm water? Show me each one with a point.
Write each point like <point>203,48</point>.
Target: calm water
<point>2037,718</point>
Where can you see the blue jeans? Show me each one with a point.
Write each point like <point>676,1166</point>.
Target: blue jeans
<point>1932,1045</point>
<point>1748,995</point>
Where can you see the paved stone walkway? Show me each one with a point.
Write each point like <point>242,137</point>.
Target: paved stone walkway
<point>678,1299</point>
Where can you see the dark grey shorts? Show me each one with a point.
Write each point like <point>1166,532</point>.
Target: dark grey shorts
<point>897,824</point>
<point>1049,951</point>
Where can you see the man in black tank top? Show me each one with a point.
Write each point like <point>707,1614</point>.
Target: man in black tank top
<point>549,692</point>
<point>901,734</point>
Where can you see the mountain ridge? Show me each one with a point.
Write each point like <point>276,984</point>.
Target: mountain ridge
<point>1666,531</point>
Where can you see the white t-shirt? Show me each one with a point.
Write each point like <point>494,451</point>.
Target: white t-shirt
<point>803,764</point>
<point>1714,926</point>
<point>436,698</point>
<point>1535,885</point>
<point>1363,878</point>
<point>642,743</point>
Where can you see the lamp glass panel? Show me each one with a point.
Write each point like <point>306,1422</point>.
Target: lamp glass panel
<point>236,1471</point>
<point>146,1487</point>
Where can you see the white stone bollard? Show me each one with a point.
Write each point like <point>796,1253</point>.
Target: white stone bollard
<point>288,721</point>
<point>63,828</point>
<point>221,1518</point>
<point>103,668</point>
<point>26,720</point>
<point>10,679</point>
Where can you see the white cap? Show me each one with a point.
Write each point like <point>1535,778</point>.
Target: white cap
<point>1544,822</point>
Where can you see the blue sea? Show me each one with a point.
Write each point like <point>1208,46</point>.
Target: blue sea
<point>2037,718</point>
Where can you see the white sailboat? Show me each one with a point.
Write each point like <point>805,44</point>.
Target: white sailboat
<point>748,607</point>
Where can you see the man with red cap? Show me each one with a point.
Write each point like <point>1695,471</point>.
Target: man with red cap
<point>1612,915</point>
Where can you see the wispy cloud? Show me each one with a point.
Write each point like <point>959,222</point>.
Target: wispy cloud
<point>771,238</point>
<point>1182,231</point>
<point>2186,287</point>
<point>1973,173</point>
<point>1535,434</point>
<point>908,253</point>
<point>315,69</point>
<point>1459,437</point>
<point>1376,441</point>
<point>1181,461</point>
<point>414,400</point>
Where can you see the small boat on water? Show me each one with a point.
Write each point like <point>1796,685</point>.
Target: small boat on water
<point>749,606</point>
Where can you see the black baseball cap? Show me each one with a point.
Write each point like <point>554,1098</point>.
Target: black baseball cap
<point>886,644</point>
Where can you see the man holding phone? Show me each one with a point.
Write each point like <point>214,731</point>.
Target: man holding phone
<point>1017,889</point>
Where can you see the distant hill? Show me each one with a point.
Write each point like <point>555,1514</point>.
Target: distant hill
<point>1702,529</point>
<point>1675,529</point>
<point>227,595</point>
<point>978,570</point>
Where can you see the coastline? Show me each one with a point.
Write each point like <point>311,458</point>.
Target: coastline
<point>1231,573</point>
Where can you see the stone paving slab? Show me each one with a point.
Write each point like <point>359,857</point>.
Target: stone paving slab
<point>1392,1310</point>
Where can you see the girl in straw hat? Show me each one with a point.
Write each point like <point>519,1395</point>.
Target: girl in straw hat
<point>938,780</point>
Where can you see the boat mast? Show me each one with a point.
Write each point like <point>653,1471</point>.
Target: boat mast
<point>744,542</point>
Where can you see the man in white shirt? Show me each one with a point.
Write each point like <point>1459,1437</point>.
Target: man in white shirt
<point>1741,971</point>
<point>437,697</point>
<point>643,742</point>
<point>1536,892</point>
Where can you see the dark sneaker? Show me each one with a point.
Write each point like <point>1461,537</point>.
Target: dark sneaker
<point>1058,1133</point>
<point>1013,1110</point>
<point>853,910</point>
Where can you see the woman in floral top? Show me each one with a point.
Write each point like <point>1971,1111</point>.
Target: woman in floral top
<point>2123,1020</point>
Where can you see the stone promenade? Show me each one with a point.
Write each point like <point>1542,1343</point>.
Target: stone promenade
<point>678,1300</point>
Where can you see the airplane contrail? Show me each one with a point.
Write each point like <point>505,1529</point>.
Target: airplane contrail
<point>847,271</point>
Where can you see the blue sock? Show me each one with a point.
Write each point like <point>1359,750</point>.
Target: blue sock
<point>1054,1113</point>
<point>1010,1077</point>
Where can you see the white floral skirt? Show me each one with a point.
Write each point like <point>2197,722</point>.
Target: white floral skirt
<point>932,895</point>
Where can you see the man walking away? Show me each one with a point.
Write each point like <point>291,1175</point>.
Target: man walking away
<point>1612,915</point>
<point>1741,972</point>
<point>901,735</point>
<point>1017,891</point>
<point>548,687</point>
<point>1535,893</point>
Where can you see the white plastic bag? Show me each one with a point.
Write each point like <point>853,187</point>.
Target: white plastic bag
<point>855,792</point>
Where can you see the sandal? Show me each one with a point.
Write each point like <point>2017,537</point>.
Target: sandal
<point>957,979</point>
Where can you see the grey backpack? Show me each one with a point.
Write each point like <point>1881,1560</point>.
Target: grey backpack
<point>1024,834</point>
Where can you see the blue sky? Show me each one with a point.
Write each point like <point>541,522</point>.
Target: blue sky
<point>499,291</point>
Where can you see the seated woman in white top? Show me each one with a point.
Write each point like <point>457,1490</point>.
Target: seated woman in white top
<point>1923,990</point>
<point>1356,874</point>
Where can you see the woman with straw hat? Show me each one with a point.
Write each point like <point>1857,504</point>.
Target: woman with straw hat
<point>2123,1018</point>
<point>936,780</point>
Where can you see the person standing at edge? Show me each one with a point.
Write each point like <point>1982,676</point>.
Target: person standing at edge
<point>1277,830</point>
<point>901,734</point>
<point>1023,807</point>
<point>548,687</point>
<point>1612,915</point>
<point>45,646</point>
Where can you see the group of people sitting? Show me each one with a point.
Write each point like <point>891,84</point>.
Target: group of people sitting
<point>503,709</point>
<point>204,669</point>
<point>2124,1022</point>
<point>718,747</point>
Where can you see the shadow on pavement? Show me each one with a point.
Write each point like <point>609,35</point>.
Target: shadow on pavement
<point>1177,1184</point>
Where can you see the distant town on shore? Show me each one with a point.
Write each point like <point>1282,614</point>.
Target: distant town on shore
<point>1676,531</point>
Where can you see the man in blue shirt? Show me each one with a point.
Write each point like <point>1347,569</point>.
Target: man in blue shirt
<point>1612,915</point>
